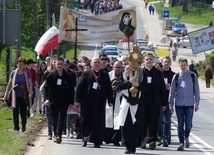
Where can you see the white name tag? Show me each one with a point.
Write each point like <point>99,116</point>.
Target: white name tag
<point>95,85</point>
<point>166,80</point>
<point>183,84</point>
<point>59,81</point>
<point>149,79</point>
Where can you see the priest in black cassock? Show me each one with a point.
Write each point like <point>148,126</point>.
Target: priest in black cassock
<point>92,91</point>
<point>130,115</point>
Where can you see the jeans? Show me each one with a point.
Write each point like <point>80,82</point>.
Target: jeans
<point>49,119</point>
<point>71,122</point>
<point>164,129</point>
<point>184,115</point>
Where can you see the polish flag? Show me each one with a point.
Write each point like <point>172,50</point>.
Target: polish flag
<point>124,39</point>
<point>47,42</point>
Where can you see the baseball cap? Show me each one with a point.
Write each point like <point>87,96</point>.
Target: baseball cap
<point>30,61</point>
<point>66,61</point>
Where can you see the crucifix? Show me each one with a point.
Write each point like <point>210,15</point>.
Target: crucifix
<point>76,30</point>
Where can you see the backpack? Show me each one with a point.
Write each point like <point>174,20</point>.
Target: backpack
<point>193,80</point>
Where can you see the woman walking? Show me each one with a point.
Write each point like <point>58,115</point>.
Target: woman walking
<point>20,82</point>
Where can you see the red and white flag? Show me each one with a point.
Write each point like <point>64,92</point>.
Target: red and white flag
<point>47,42</point>
<point>124,39</point>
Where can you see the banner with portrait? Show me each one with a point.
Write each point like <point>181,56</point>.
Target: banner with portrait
<point>100,28</point>
<point>202,40</point>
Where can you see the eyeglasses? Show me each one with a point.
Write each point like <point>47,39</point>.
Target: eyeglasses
<point>103,59</point>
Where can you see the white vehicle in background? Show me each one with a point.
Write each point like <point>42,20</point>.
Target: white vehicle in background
<point>112,54</point>
<point>184,42</point>
<point>108,43</point>
<point>109,48</point>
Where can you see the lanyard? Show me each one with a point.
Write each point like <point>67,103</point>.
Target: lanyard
<point>96,76</point>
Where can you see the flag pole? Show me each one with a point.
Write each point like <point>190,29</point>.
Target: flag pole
<point>53,24</point>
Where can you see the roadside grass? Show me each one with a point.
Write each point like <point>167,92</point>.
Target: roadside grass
<point>193,16</point>
<point>11,142</point>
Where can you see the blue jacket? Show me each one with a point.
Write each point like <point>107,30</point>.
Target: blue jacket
<point>184,94</point>
<point>151,8</point>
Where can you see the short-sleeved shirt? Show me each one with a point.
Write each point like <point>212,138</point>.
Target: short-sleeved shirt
<point>33,73</point>
<point>20,80</point>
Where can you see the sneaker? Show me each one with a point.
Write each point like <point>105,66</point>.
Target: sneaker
<point>68,133</point>
<point>180,147</point>
<point>159,141</point>
<point>165,143</point>
<point>152,145</point>
<point>187,142</point>
<point>71,135</point>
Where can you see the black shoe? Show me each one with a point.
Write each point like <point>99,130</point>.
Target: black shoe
<point>84,144</point>
<point>78,136</point>
<point>23,129</point>
<point>133,149</point>
<point>143,146</point>
<point>16,129</point>
<point>97,145</point>
<point>128,152</point>
<point>152,145</point>
<point>116,144</point>
<point>58,140</point>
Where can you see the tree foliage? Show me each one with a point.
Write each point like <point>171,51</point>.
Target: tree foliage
<point>36,17</point>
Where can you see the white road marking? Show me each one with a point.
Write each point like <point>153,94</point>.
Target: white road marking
<point>202,142</point>
<point>198,140</point>
<point>96,51</point>
<point>199,147</point>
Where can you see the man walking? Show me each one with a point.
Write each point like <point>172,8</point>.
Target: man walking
<point>93,89</point>
<point>113,135</point>
<point>153,98</point>
<point>185,95</point>
<point>164,129</point>
<point>58,95</point>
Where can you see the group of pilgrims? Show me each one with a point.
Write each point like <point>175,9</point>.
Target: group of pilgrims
<point>120,102</point>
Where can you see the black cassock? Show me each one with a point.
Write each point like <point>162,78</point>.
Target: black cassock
<point>93,102</point>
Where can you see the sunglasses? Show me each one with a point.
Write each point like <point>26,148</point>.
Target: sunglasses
<point>103,59</point>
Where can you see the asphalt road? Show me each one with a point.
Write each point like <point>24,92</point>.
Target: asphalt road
<point>202,139</point>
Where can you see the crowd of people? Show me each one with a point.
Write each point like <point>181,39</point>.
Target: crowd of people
<point>102,6</point>
<point>78,96</point>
